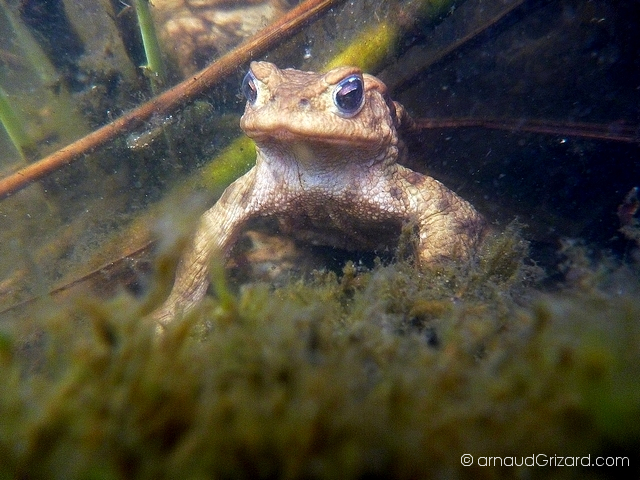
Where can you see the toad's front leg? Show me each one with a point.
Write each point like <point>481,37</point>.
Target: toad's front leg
<point>216,234</point>
<point>449,227</point>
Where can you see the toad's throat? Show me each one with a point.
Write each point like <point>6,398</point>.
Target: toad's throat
<point>311,158</point>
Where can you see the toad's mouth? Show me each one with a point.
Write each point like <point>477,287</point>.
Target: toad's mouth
<point>282,135</point>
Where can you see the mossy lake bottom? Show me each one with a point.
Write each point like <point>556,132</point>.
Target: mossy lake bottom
<point>389,372</point>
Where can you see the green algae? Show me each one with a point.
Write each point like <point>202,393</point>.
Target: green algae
<point>393,372</point>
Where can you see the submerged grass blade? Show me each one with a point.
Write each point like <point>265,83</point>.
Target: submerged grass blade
<point>36,57</point>
<point>13,125</point>
<point>378,43</point>
<point>369,49</point>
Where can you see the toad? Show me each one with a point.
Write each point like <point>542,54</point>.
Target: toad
<point>327,168</point>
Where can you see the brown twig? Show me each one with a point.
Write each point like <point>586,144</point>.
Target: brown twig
<point>105,271</point>
<point>613,131</point>
<point>171,100</point>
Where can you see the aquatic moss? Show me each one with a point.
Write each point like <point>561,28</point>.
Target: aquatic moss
<point>394,372</point>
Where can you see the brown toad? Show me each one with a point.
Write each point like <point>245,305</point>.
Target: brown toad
<point>327,169</point>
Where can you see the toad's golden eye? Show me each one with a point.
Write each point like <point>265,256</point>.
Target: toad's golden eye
<point>249,89</point>
<point>348,95</point>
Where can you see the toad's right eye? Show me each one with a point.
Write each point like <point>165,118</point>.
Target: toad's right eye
<point>249,89</point>
<point>348,95</point>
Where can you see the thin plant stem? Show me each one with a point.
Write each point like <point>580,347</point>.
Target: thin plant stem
<point>155,67</point>
<point>615,131</point>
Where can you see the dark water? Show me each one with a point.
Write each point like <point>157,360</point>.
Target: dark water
<point>564,63</point>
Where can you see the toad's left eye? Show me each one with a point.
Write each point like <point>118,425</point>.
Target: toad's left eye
<point>249,89</point>
<point>349,95</point>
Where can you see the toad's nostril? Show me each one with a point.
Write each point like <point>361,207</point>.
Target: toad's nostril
<point>304,103</point>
